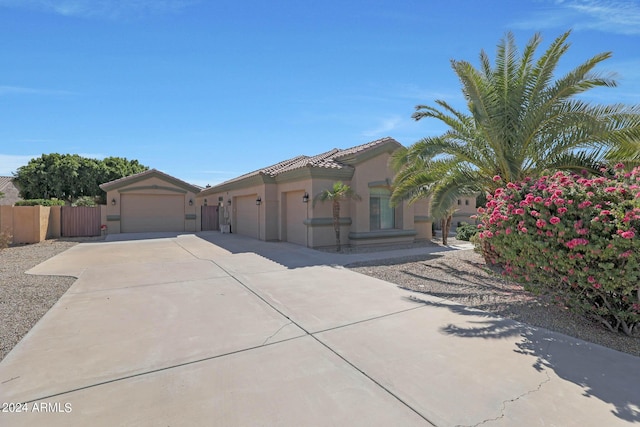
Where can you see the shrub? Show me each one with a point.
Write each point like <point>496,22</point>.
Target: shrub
<point>84,201</point>
<point>466,231</point>
<point>572,236</point>
<point>5,239</point>
<point>40,202</point>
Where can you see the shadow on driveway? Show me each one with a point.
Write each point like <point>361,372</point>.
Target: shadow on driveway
<point>602,373</point>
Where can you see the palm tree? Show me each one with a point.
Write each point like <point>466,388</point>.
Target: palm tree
<point>336,194</point>
<point>519,123</point>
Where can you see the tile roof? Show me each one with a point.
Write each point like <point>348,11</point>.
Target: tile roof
<point>150,172</point>
<point>4,180</point>
<point>329,160</point>
<point>10,190</point>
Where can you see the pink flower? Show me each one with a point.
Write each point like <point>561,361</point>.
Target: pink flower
<point>554,220</point>
<point>629,234</point>
<point>605,212</point>
<point>507,231</point>
<point>496,178</point>
<point>541,223</point>
<point>597,285</point>
<point>537,199</point>
<point>571,244</point>
<point>610,189</point>
<point>626,254</point>
<point>481,210</point>
<point>619,166</point>
<point>524,229</point>
<point>591,279</point>
<point>562,210</point>
<point>519,211</point>
<point>585,204</point>
<point>511,185</point>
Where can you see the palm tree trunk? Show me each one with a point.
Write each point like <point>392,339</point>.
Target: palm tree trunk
<point>448,226</point>
<point>443,227</point>
<point>336,223</point>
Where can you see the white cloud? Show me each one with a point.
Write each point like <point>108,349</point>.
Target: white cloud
<point>20,90</point>
<point>109,9</point>
<point>384,127</point>
<point>610,16</point>
<point>9,163</point>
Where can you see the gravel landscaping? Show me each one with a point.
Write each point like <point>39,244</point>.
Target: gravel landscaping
<point>463,277</point>
<point>25,298</point>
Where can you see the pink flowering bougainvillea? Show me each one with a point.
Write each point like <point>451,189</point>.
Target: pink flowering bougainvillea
<point>574,236</point>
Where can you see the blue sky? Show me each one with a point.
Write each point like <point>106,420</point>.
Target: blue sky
<point>208,90</point>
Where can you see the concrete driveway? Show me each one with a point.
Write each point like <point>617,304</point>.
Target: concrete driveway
<point>214,329</point>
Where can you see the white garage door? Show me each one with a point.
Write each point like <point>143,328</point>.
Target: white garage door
<point>246,212</point>
<point>151,212</point>
<point>295,215</point>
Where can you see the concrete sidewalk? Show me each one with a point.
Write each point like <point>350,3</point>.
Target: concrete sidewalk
<point>215,329</point>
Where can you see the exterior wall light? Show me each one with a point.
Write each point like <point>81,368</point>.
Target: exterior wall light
<point>113,201</point>
<point>259,201</point>
<point>190,202</point>
<point>205,202</point>
<point>305,198</point>
<point>229,202</point>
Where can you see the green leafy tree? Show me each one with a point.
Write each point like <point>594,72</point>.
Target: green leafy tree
<point>336,194</point>
<point>520,121</point>
<point>70,176</point>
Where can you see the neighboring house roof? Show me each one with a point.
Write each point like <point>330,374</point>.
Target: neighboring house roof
<point>10,189</point>
<point>333,160</point>
<point>150,173</point>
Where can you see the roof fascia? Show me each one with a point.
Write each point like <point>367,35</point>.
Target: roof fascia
<point>117,184</point>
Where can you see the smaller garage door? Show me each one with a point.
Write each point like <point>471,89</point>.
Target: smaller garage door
<point>151,212</point>
<point>296,212</point>
<point>246,212</point>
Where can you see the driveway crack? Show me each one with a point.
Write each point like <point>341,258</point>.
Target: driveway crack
<point>276,332</point>
<point>509,401</point>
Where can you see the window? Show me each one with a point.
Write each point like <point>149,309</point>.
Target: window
<point>466,202</point>
<point>381,214</point>
<point>459,202</point>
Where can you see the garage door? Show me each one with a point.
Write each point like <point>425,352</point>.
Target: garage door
<point>151,212</point>
<point>246,212</point>
<point>295,215</point>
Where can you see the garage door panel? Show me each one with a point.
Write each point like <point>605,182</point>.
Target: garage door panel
<point>246,216</point>
<point>151,212</point>
<point>295,216</point>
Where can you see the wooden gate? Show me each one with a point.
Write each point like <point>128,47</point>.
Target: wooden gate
<point>209,217</point>
<point>80,221</point>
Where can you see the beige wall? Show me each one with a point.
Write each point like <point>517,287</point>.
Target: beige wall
<point>422,220</point>
<point>464,211</point>
<point>30,224</point>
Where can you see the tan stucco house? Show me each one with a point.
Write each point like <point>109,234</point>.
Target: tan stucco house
<point>276,203</point>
